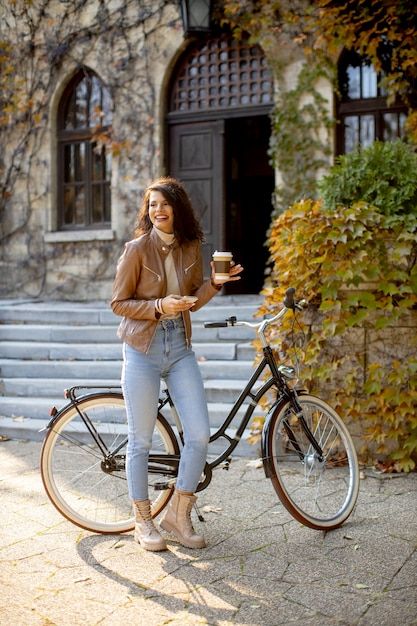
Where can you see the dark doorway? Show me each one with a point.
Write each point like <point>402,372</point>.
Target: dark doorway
<point>249,187</point>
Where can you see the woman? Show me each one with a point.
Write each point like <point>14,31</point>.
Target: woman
<point>160,266</point>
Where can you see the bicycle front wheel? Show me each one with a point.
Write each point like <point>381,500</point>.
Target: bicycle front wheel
<point>318,491</point>
<point>83,464</point>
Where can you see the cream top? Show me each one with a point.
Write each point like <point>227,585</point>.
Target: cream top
<point>171,275</point>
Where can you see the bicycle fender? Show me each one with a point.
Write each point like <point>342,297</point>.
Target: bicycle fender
<point>56,413</point>
<point>266,433</point>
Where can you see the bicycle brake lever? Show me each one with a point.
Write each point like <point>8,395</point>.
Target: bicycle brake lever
<point>299,305</point>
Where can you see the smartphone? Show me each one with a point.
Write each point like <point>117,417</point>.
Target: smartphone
<point>189,299</point>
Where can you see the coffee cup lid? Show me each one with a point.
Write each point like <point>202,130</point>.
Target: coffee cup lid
<point>217,253</point>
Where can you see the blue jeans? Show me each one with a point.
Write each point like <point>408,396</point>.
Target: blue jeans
<point>168,358</point>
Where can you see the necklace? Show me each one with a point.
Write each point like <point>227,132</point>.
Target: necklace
<point>167,239</point>
<point>168,246</point>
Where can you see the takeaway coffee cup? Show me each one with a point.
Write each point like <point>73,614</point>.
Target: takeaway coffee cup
<point>221,265</point>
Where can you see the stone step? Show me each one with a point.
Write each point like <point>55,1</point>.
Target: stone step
<point>48,387</point>
<point>216,391</point>
<point>49,351</point>
<point>87,370</point>
<point>91,333</point>
<point>35,350</point>
<point>46,347</point>
<point>20,409</point>
<point>35,312</point>
<point>59,333</point>
<point>99,313</point>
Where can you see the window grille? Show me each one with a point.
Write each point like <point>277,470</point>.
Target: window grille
<point>219,73</point>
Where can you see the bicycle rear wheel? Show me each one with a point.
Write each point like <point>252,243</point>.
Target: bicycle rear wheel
<point>83,464</point>
<point>319,492</point>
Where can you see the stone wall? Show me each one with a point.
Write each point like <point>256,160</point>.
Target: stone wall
<point>131,46</point>
<point>354,352</point>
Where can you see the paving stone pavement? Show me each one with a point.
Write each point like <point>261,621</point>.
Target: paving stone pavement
<point>261,568</point>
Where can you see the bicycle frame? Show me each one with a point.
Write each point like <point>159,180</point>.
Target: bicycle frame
<point>284,394</point>
<point>255,396</point>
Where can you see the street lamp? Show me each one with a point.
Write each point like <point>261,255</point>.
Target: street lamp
<point>196,16</point>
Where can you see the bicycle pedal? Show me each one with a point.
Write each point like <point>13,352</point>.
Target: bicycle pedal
<point>226,464</point>
<point>161,486</point>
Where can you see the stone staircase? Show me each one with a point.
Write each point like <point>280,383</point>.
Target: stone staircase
<point>46,347</point>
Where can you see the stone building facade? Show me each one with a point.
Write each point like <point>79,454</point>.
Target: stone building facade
<point>98,98</point>
<point>116,89</point>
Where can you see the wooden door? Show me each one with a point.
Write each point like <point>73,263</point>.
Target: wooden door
<point>196,153</point>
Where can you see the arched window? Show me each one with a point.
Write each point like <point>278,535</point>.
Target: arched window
<point>84,164</point>
<point>362,110</point>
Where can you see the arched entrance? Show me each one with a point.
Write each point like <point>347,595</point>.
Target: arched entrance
<point>218,138</point>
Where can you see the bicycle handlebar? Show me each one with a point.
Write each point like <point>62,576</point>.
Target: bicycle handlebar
<point>289,303</point>
<point>218,324</point>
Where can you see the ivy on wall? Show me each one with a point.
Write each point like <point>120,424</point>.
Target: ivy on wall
<point>300,145</point>
<point>357,270</point>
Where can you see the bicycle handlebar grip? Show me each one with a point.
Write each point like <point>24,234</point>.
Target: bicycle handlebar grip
<point>289,298</point>
<point>215,324</point>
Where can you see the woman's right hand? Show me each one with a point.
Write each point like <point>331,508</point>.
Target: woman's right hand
<point>173,304</point>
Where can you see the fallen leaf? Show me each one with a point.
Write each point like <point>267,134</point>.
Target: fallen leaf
<point>255,463</point>
<point>388,467</point>
<point>211,509</point>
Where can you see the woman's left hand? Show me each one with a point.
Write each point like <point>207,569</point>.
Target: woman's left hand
<point>234,272</point>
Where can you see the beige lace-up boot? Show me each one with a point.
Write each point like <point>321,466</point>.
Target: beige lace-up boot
<point>145,530</point>
<point>177,520</point>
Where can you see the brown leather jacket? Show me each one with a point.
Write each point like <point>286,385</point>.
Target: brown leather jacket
<point>140,280</point>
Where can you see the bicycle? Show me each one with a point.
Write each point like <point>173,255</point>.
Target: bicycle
<point>307,450</point>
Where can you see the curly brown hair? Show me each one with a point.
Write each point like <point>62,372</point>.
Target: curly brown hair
<point>186,224</point>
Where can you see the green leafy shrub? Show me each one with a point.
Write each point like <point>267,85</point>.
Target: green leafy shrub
<point>358,273</point>
<point>384,174</point>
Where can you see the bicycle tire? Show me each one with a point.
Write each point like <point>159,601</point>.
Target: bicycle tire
<point>73,469</point>
<point>321,494</point>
